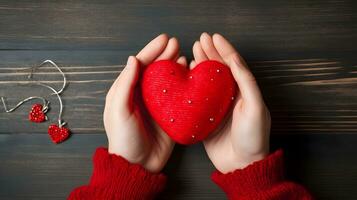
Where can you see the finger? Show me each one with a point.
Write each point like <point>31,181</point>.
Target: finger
<point>209,48</point>
<point>244,78</point>
<point>193,64</point>
<point>182,61</point>
<point>152,50</point>
<point>123,90</point>
<point>224,47</point>
<point>198,53</point>
<point>171,51</point>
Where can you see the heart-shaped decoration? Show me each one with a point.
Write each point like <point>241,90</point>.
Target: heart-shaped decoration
<point>188,104</point>
<point>37,114</point>
<point>58,134</point>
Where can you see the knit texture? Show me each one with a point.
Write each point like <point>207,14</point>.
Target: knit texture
<point>115,178</point>
<point>262,180</point>
<point>188,104</point>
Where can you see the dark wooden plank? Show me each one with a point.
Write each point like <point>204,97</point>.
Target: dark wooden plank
<point>261,28</point>
<point>302,53</point>
<point>31,167</point>
<point>304,95</point>
<point>326,164</point>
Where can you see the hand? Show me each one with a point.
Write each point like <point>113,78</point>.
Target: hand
<point>244,138</point>
<point>131,132</point>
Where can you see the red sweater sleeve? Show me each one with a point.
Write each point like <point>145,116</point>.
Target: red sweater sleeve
<point>262,180</point>
<point>115,178</point>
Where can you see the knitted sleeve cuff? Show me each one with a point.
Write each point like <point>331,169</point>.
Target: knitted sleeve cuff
<point>115,178</point>
<point>257,177</point>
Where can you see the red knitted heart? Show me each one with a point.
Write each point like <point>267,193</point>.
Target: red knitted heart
<point>58,134</point>
<point>36,114</point>
<point>188,104</point>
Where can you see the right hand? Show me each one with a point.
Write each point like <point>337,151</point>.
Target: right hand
<point>244,139</point>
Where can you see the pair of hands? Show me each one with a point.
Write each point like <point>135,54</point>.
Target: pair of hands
<point>132,134</point>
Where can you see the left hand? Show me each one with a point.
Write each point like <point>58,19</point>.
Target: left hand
<point>131,133</point>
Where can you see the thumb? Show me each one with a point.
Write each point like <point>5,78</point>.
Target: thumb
<point>245,79</point>
<point>126,83</point>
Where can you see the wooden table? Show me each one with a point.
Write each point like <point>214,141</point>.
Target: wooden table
<point>303,54</point>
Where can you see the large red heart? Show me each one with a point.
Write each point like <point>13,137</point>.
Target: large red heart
<point>188,104</point>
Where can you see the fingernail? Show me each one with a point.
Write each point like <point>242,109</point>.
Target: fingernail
<point>215,35</point>
<point>130,61</point>
<point>204,34</point>
<point>196,43</point>
<point>164,35</point>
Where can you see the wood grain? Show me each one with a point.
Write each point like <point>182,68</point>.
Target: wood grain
<point>31,167</point>
<point>303,54</point>
<point>304,95</point>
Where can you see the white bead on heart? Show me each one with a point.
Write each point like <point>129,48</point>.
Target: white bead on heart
<point>189,101</point>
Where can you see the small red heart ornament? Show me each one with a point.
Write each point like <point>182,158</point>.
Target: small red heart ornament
<point>36,114</point>
<point>188,104</point>
<point>58,134</point>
